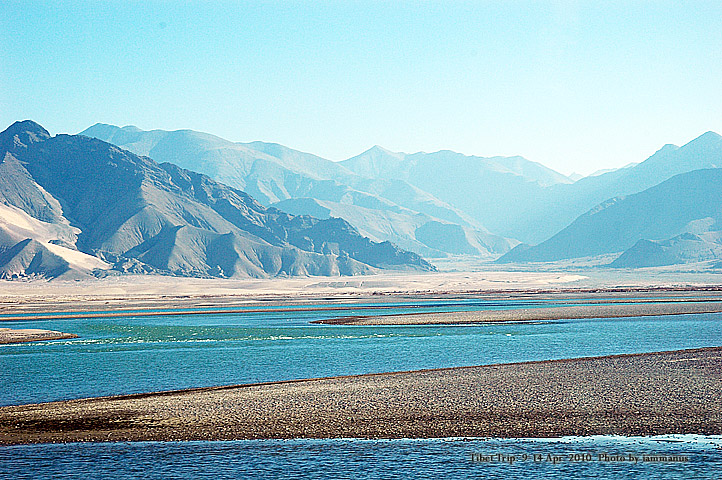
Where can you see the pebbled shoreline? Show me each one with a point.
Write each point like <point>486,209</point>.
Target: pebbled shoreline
<point>639,394</point>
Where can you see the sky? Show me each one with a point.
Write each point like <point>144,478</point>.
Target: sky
<point>577,86</point>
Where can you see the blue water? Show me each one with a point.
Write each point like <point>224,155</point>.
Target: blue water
<point>352,459</point>
<point>141,353</point>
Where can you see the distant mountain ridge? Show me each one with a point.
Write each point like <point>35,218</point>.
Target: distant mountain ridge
<point>683,248</point>
<point>381,208</point>
<point>489,189</point>
<point>379,162</point>
<point>125,210</point>
<point>688,203</point>
<point>559,205</point>
<point>519,199</point>
<point>439,203</point>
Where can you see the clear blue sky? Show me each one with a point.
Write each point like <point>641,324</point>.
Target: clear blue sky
<point>577,86</point>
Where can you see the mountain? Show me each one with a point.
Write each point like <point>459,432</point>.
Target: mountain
<point>411,230</point>
<point>379,162</point>
<point>684,248</point>
<point>560,204</point>
<point>30,247</point>
<point>687,203</point>
<point>436,203</point>
<point>492,191</point>
<point>509,196</point>
<point>385,209</point>
<point>93,199</point>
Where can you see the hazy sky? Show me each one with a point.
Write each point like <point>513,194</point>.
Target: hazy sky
<point>577,86</point>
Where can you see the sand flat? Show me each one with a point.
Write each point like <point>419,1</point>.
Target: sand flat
<point>129,290</point>
<point>108,303</point>
<point>643,394</point>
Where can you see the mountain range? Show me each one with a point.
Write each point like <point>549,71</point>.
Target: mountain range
<point>435,204</point>
<point>677,221</point>
<point>518,199</point>
<point>190,203</point>
<point>72,205</point>
<point>382,207</point>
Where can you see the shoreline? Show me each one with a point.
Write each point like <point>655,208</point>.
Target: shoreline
<point>635,394</point>
<point>38,309</point>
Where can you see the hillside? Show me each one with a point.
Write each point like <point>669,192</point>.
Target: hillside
<point>140,216</point>
<point>686,203</point>
<point>299,182</point>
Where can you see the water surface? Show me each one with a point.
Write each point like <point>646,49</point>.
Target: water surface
<point>140,354</point>
<point>572,458</point>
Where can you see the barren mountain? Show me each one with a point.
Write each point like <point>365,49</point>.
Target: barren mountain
<point>141,216</point>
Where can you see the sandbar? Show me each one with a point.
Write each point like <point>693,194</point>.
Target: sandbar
<point>640,394</point>
<point>608,310</point>
<point>20,335</point>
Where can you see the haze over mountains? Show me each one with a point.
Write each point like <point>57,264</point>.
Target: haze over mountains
<point>446,203</point>
<point>74,205</point>
<point>382,208</point>
<point>527,201</point>
<point>71,205</point>
<point>677,221</point>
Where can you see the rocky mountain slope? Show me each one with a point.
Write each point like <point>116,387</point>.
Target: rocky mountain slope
<point>382,208</point>
<point>128,211</point>
<point>436,203</point>
<point>689,203</point>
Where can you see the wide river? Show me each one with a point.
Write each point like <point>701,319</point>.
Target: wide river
<point>116,355</point>
<point>130,354</point>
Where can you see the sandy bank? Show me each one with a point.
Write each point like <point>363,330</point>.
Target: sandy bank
<point>659,393</point>
<point>138,292</point>
<point>8,335</point>
<point>609,310</point>
<point>31,307</point>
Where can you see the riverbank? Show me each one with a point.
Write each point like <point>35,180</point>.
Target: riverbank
<point>105,300</point>
<point>116,294</point>
<point>641,394</point>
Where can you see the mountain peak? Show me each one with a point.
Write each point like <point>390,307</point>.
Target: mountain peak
<point>711,134</point>
<point>27,127</point>
<point>100,129</point>
<point>379,151</point>
<point>707,138</point>
<point>22,133</point>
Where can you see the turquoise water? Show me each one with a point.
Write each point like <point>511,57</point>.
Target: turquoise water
<point>416,306</point>
<point>695,458</point>
<point>141,354</point>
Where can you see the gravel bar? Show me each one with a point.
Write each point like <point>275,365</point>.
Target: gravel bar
<point>533,314</point>
<point>640,394</point>
<point>9,335</point>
